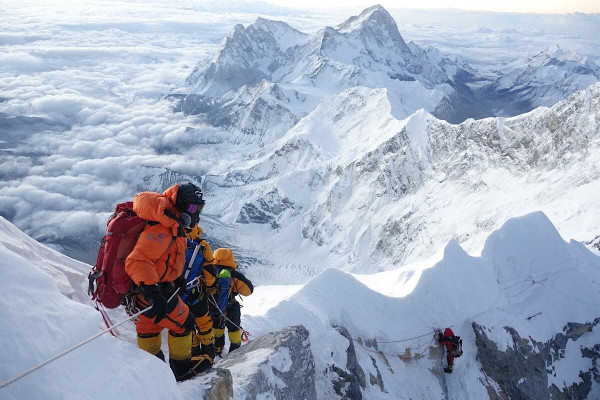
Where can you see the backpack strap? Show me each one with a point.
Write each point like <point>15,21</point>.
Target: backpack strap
<point>188,267</point>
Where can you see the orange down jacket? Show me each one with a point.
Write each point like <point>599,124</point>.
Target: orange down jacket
<point>158,255</point>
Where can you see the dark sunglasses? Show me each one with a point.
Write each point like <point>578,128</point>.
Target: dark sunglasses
<point>193,208</point>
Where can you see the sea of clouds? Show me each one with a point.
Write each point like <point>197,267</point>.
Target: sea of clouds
<point>84,86</point>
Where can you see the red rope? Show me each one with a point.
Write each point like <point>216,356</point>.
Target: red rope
<point>106,319</point>
<point>245,335</point>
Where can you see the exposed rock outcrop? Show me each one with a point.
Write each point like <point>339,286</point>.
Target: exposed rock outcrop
<point>524,370</point>
<point>352,379</point>
<point>279,364</point>
<point>219,383</point>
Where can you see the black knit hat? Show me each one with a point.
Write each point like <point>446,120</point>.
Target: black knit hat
<point>188,194</point>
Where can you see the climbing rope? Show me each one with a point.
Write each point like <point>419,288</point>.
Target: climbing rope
<point>400,356</point>
<point>412,338</point>
<point>245,333</point>
<point>64,353</point>
<point>531,275</point>
<point>107,320</point>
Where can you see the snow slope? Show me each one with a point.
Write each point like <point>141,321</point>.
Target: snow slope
<point>38,321</point>
<point>525,268</point>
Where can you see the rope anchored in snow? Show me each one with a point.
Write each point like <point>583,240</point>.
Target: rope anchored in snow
<point>412,338</point>
<point>64,353</point>
<point>400,356</point>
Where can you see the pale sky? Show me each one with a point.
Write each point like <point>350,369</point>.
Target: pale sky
<point>538,6</point>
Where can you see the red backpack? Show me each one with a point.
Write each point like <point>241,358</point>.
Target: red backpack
<point>122,232</point>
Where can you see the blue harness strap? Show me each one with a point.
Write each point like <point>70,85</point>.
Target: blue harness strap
<point>191,272</point>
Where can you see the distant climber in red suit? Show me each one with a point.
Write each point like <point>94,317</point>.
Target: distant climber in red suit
<point>453,347</point>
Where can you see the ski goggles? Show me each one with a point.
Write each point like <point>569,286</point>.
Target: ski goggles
<point>195,208</point>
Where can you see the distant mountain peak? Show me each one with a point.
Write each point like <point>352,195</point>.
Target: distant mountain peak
<point>376,14</point>
<point>261,21</point>
<point>557,53</point>
<point>374,22</point>
<point>268,24</point>
<point>237,28</point>
<point>285,35</point>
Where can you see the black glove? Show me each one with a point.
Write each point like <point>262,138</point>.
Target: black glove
<point>158,302</point>
<point>181,284</point>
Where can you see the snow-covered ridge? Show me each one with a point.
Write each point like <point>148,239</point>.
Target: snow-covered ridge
<point>375,15</point>
<point>68,275</point>
<point>352,161</point>
<point>526,269</point>
<point>39,321</point>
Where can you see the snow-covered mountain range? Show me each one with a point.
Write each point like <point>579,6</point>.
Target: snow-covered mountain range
<point>540,79</point>
<point>278,74</point>
<point>338,130</point>
<point>273,70</point>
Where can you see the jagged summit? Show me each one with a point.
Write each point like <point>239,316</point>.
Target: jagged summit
<point>353,50</point>
<point>375,15</point>
<point>284,34</point>
<point>246,57</point>
<point>375,23</point>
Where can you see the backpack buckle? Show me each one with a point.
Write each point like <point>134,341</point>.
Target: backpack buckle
<point>92,276</point>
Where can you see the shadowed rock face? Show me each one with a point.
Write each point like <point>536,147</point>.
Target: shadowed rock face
<point>523,360</point>
<point>523,370</point>
<point>280,365</point>
<point>283,366</point>
<point>265,210</point>
<point>353,378</point>
<point>594,243</point>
